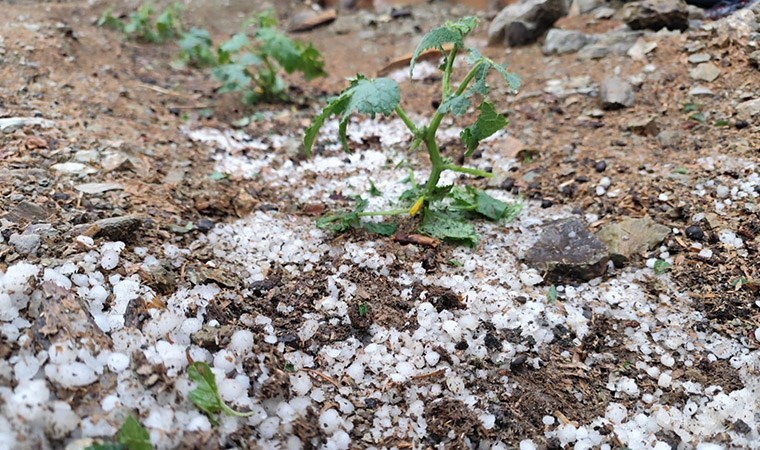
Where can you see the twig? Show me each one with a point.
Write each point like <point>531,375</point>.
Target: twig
<point>161,90</point>
<point>318,374</point>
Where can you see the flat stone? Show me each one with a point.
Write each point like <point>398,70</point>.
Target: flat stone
<point>657,14</point>
<point>565,41</point>
<point>698,58</point>
<point>631,237</point>
<point>754,59</point>
<point>748,109</point>
<point>567,251</point>
<point>705,72</point>
<point>73,168</point>
<point>122,228</point>
<point>25,244</point>
<point>645,126</point>
<point>669,138</point>
<point>523,23</point>
<point>10,124</point>
<point>616,42</point>
<point>697,91</point>
<point>99,188</point>
<point>615,93</point>
<point>27,212</point>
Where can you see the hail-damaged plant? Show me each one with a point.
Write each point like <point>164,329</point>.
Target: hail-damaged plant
<point>444,209</point>
<point>250,62</point>
<point>131,436</point>
<point>206,395</point>
<point>141,25</point>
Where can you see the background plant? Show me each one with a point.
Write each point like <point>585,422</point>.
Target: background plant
<point>141,26</point>
<point>250,62</point>
<point>445,210</point>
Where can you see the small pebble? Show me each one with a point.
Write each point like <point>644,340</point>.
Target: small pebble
<point>205,225</point>
<point>546,203</point>
<point>694,232</point>
<point>601,166</point>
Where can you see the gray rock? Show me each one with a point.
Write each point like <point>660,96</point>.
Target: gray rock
<point>698,58</point>
<point>604,13</point>
<point>615,93</point>
<point>617,42</point>
<point>25,244</point>
<point>631,237</point>
<point>705,72</point>
<point>748,109</point>
<point>645,126</point>
<point>10,124</point>
<point>754,59</point>
<point>584,6</point>
<point>27,212</point>
<point>523,23</point>
<point>697,91</point>
<point>669,138</point>
<point>565,41</point>
<point>73,168</point>
<point>122,228</point>
<point>98,188</point>
<point>657,14</point>
<point>567,251</point>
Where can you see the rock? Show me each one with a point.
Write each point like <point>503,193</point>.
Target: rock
<point>700,91</point>
<point>754,59</point>
<point>584,6</point>
<point>27,212</point>
<point>122,228</point>
<point>631,237</point>
<point>25,244</point>
<point>669,138</point>
<point>645,126</point>
<point>698,58</point>
<point>10,124</point>
<point>694,232</point>
<point>748,109</point>
<point>615,93</point>
<point>73,168</point>
<point>522,23</point>
<point>617,42</point>
<point>657,14</point>
<point>99,188</point>
<point>641,49</point>
<point>705,72</point>
<point>565,41</point>
<point>695,13</point>
<point>567,251</point>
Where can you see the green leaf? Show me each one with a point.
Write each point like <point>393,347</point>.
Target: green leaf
<point>456,104</point>
<point>168,23</point>
<point>721,123</point>
<point>381,228</point>
<point>373,190</point>
<point>291,55</point>
<point>552,295</point>
<point>342,222</point>
<point>487,123</point>
<point>450,33</point>
<point>661,266</point>
<point>196,48</point>
<point>490,207</point>
<point>480,86</point>
<point>444,226</point>
<point>691,107</point>
<point>133,436</point>
<point>233,45</point>
<point>233,76</point>
<point>363,96</point>
<point>205,395</point>
<point>107,20</point>
<point>363,309</point>
<point>109,446</point>
<point>698,117</point>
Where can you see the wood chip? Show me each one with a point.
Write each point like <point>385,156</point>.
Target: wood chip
<point>417,239</point>
<point>403,61</point>
<point>313,21</point>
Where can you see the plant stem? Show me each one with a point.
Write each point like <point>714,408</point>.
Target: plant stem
<point>388,212</point>
<point>407,121</point>
<point>447,73</point>
<point>468,170</point>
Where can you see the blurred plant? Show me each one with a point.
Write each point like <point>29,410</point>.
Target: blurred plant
<point>141,26</point>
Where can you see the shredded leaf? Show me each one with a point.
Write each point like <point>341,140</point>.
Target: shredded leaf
<point>447,227</point>
<point>381,228</point>
<point>206,396</point>
<point>450,33</point>
<point>487,123</point>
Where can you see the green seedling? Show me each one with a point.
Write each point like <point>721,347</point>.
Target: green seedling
<point>444,209</point>
<point>661,267</point>
<point>206,396</point>
<point>141,25</point>
<point>131,436</point>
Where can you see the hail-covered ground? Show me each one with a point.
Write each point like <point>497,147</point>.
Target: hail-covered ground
<point>505,363</point>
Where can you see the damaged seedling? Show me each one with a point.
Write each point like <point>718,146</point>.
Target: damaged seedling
<point>445,211</point>
<point>131,436</point>
<point>206,396</point>
<point>250,62</point>
<point>141,25</point>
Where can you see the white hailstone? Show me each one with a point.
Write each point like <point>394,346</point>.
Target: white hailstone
<point>160,418</point>
<point>17,276</point>
<point>659,445</point>
<point>268,428</point>
<point>455,384</point>
<point>318,395</point>
<point>87,241</point>
<point>416,408</point>
<point>667,360</point>
<point>709,446</point>
<point>528,444</point>
<point>62,420</point>
<point>75,374</point>
<point>616,412</point>
<point>664,380</point>
<point>8,310</point>
<point>198,423</point>
<point>722,191</point>
<point>566,434</point>
<point>341,440</point>
<point>30,399</point>
<point>488,420</point>
<point>757,334</point>
<point>80,280</point>
<point>404,370</point>
<point>705,253</point>
<point>109,259</point>
<point>469,321</point>
<point>190,326</point>
<point>531,277</point>
<point>224,361</point>
<point>356,371</point>
<point>329,421</point>
<point>118,362</point>
<point>110,402</point>
<point>241,342</point>
<point>57,277</point>
<point>548,420</point>
<point>452,329</point>
<point>300,383</point>
<point>26,367</point>
<point>286,412</point>
<point>98,294</point>
<point>231,390</point>
<point>345,406</point>
<point>293,443</point>
<point>432,357</point>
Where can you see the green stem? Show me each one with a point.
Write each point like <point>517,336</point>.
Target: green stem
<point>407,121</point>
<point>388,212</point>
<point>468,170</point>
<point>447,73</point>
